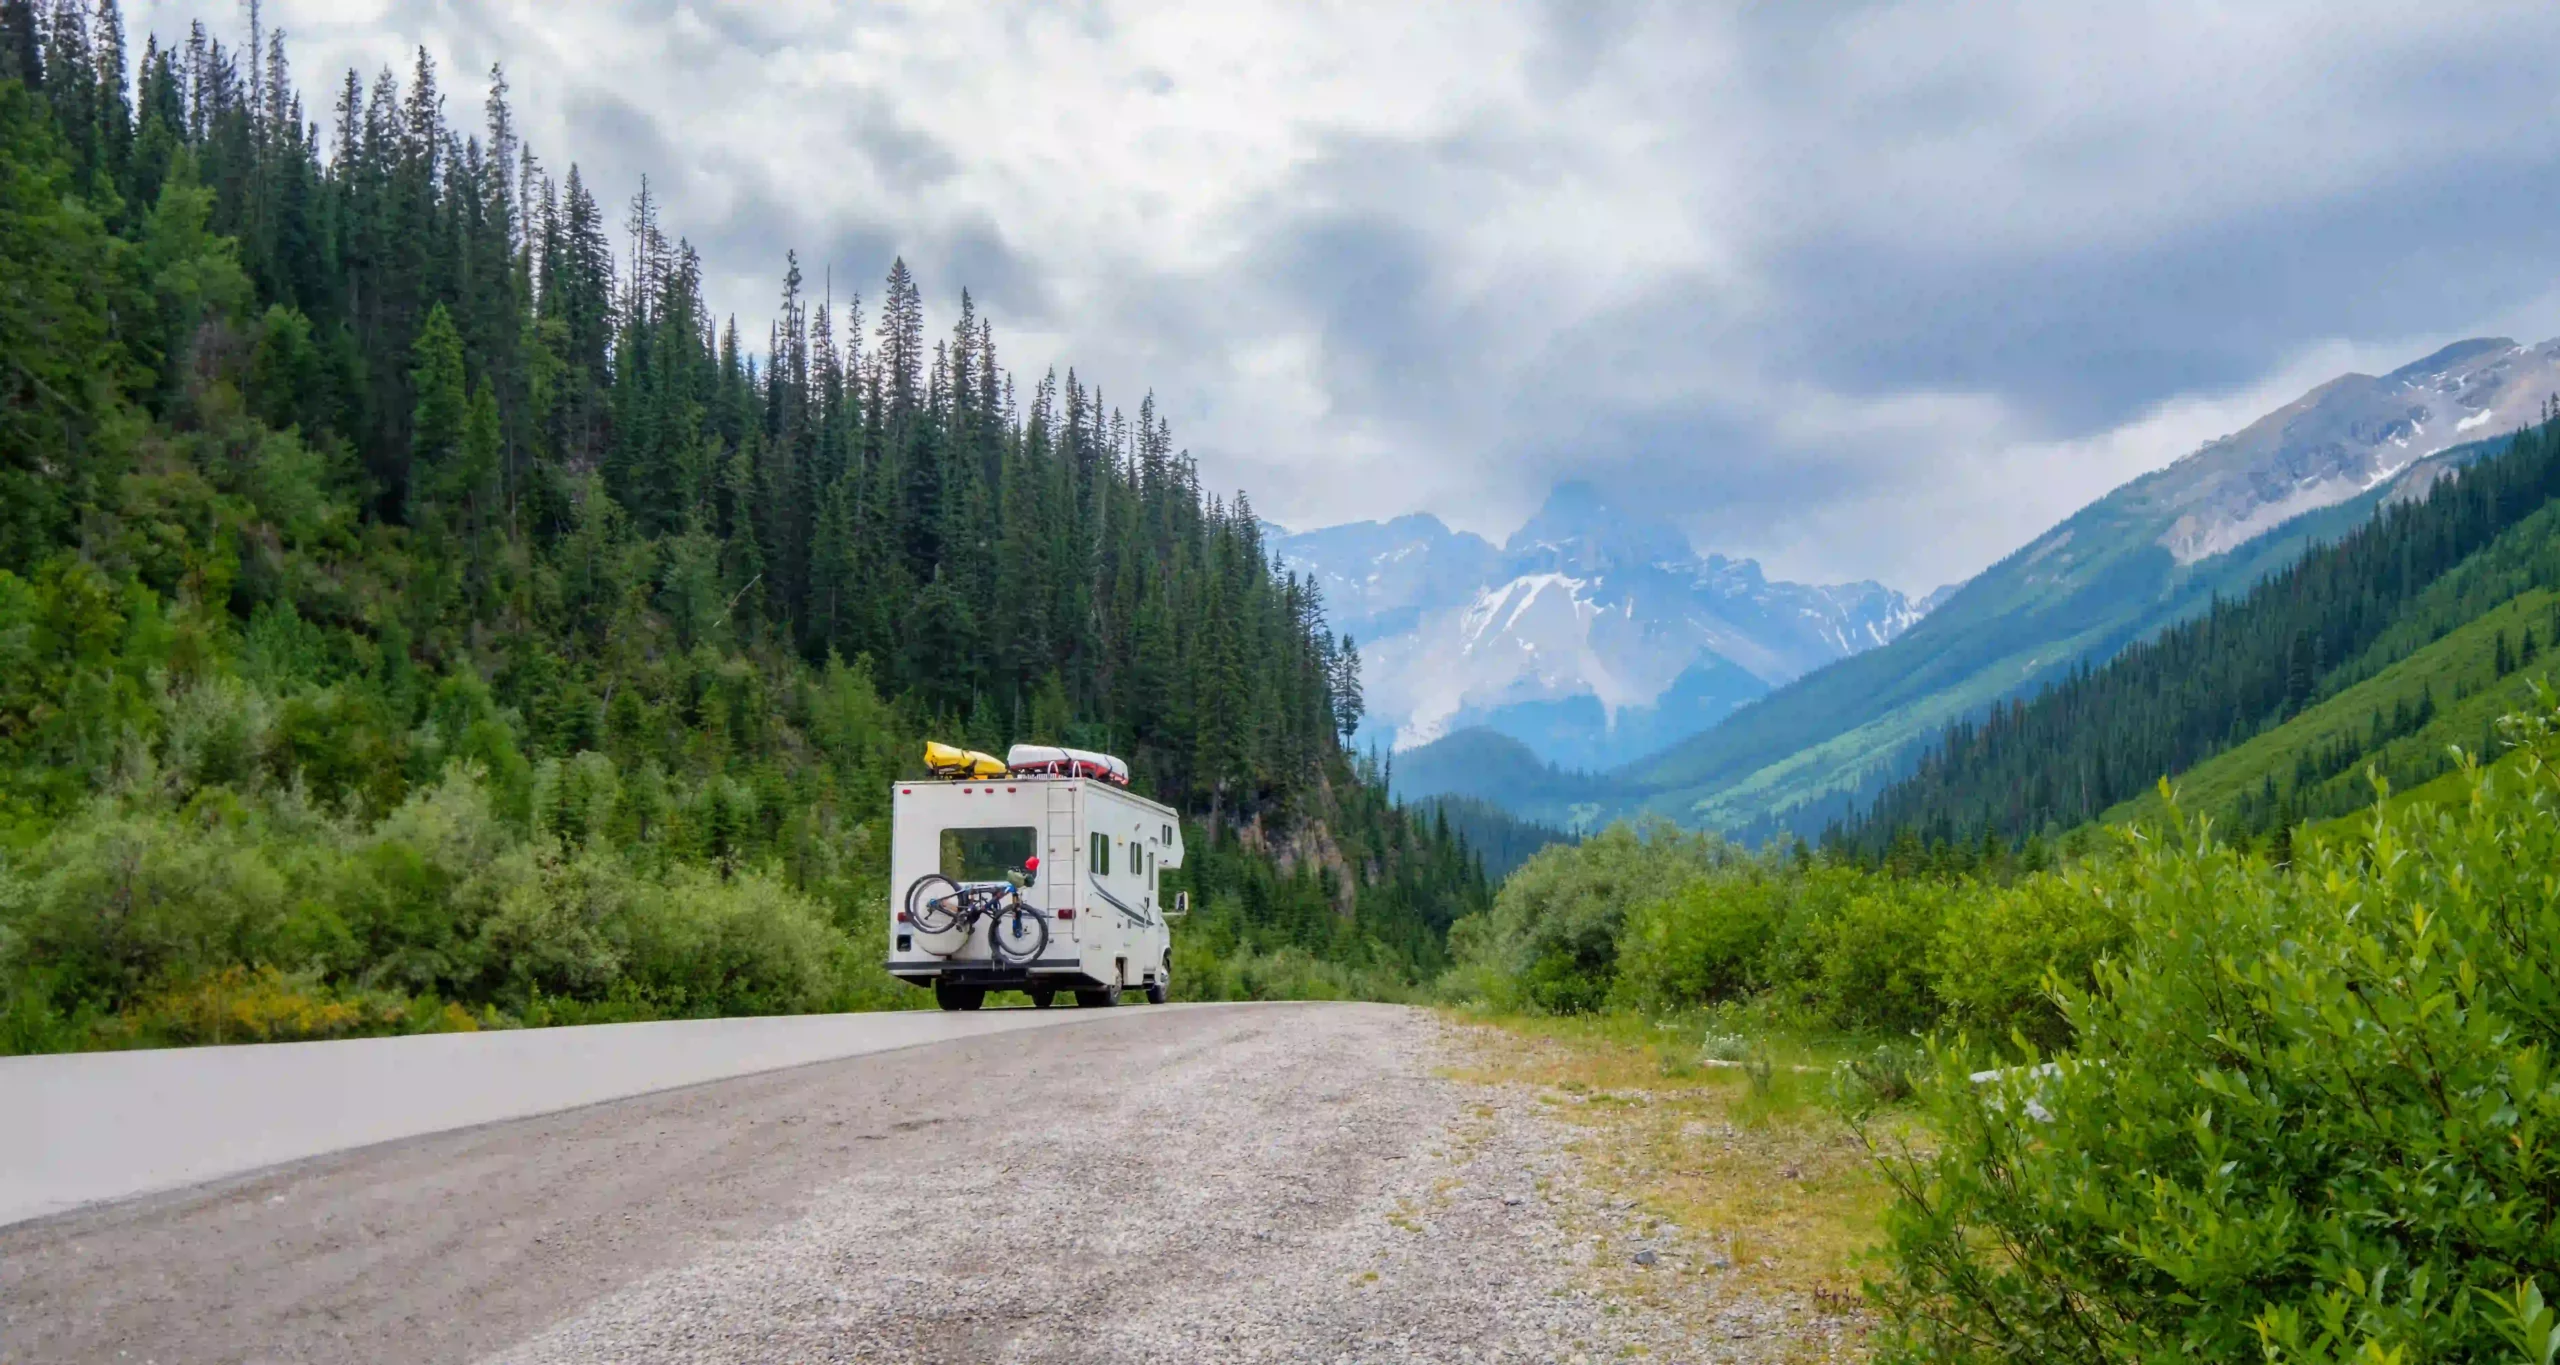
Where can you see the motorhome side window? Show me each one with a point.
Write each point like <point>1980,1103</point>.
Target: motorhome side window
<point>1102,855</point>
<point>987,855</point>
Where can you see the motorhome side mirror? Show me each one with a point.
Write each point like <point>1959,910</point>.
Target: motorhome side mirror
<point>1181,904</point>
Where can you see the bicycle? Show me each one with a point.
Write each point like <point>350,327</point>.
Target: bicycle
<point>1016,933</point>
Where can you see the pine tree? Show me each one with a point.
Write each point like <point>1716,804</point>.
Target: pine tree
<point>437,427</point>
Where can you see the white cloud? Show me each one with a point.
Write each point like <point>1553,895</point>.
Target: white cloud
<point>1824,281</point>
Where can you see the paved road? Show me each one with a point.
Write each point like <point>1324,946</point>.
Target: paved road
<point>1269,1183</point>
<point>94,1126</point>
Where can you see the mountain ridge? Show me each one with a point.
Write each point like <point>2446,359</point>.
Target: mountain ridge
<point>1592,634</point>
<point>2144,556</point>
<point>2108,575</point>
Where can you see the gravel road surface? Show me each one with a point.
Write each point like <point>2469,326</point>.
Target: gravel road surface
<point>1254,1183</point>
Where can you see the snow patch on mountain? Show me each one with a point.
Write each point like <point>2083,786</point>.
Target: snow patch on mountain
<point>1592,634</point>
<point>2348,436</point>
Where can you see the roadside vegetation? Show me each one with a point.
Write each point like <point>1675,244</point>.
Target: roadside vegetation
<point>2236,1108</point>
<point>1733,1153</point>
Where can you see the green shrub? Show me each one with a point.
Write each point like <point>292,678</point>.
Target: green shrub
<point>421,887</point>
<point>1854,952</point>
<point>2310,1114</point>
<point>116,902</point>
<point>745,944</point>
<point>262,1005</point>
<point>1203,969</point>
<point>1704,944</point>
<point>1550,941</point>
<point>1989,962</point>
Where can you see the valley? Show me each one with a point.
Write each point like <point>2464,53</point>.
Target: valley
<point>1816,747</point>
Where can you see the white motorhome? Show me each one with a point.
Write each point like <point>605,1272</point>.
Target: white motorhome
<point>1101,852</point>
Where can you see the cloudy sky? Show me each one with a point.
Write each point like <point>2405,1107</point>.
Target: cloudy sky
<point>1864,291</point>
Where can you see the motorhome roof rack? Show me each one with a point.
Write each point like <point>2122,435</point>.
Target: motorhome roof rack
<point>1049,760</point>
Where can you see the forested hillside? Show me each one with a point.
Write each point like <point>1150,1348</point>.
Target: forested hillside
<point>2152,553</point>
<point>2411,575</point>
<point>417,608</point>
<point>1500,840</point>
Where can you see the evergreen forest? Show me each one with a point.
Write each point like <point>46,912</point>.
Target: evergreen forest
<point>419,610</point>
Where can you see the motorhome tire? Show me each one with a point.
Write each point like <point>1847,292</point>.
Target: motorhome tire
<point>959,997</point>
<point>1041,1000</point>
<point>1101,999</point>
<point>1156,991</point>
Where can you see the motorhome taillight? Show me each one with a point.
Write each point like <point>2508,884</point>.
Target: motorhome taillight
<point>902,918</point>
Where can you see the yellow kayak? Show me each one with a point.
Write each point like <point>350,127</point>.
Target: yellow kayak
<point>946,761</point>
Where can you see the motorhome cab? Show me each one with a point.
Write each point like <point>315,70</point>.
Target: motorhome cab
<point>1101,851</point>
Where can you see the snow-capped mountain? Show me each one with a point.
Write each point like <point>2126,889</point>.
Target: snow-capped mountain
<point>2345,437</point>
<point>1593,635</point>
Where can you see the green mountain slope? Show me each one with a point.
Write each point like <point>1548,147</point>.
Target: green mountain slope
<point>1482,764</point>
<point>2400,724</point>
<point>2352,617</point>
<point>1811,750</point>
<point>1500,840</point>
<point>2149,554</point>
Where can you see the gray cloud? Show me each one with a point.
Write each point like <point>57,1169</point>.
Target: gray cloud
<point>1819,281</point>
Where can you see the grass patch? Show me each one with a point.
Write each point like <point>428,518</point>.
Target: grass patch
<point>1750,1161</point>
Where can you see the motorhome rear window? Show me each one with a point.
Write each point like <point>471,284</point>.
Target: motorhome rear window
<point>987,855</point>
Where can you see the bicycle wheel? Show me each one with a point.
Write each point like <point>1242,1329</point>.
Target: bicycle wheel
<point>933,904</point>
<point>1018,933</point>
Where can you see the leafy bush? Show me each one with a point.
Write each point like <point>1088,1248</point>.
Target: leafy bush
<point>263,1005</point>
<point>1854,953</point>
<point>1989,963</point>
<point>741,945</point>
<point>117,902</point>
<point>1704,944</point>
<point>141,921</point>
<point>1202,972</point>
<point>1550,942</point>
<point>2310,1113</point>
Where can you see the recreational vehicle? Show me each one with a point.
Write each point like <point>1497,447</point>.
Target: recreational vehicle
<point>1039,872</point>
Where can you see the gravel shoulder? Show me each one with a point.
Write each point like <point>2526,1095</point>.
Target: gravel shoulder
<point>1258,1183</point>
